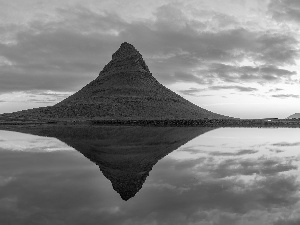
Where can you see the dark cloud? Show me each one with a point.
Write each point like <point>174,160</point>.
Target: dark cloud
<point>276,150</point>
<point>62,55</point>
<point>285,96</point>
<point>229,73</point>
<point>288,221</point>
<point>239,88</point>
<point>67,53</point>
<point>285,10</point>
<point>287,144</point>
<point>275,89</point>
<point>239,153</point>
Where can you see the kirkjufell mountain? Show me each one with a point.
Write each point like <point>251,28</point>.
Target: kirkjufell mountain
<point>124,89</point>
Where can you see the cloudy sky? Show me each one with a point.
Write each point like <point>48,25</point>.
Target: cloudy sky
<point>234,57</point>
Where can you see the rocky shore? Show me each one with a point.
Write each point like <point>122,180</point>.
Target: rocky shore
<point>161,123</point>
<point>203,123</point>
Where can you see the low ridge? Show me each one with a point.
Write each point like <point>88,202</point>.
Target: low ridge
<point>125,89</point>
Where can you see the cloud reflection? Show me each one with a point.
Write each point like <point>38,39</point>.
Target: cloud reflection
<point>15,141</point>
<point>242,187</point>
<point>261,166</point>
<point>241,152</point>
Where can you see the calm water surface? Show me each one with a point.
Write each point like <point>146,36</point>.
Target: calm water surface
<point>223,176</point>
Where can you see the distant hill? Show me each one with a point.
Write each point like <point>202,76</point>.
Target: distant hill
<point>124,89</point>
<point>294,116</point>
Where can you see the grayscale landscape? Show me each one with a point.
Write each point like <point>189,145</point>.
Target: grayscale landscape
<point>149,112</point>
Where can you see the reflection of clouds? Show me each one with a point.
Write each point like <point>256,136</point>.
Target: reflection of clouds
<point>193,150</point>
<point>14,141</point>
<point>262,166</point>
<point>5,180</point>
<point>8,203</point>
<point>233,198</point>
<point>53,188</point>
<point>168,187</point>
<point>241,152</point>
<point>236,190</point>
<point>241,187</point>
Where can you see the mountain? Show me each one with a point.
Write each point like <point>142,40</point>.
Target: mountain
<point>294,116</point>
<point>125,155</point>
<point>124,89</point>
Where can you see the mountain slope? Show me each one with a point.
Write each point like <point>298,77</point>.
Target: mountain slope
<point>125,89</point>
<point>294,116</point>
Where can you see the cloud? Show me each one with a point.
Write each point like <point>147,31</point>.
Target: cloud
<point>35,96</point>
<point>192,91</point>
<point>239,88</point>
<point>288,221</point>
<point>45,96</point>
<point>285,10</point>
<point>230,73</point>
<point>63,54</point>
<point>285,96</point>
<point>59,55</point>
<point>287,144</point>
<point>275,89</point>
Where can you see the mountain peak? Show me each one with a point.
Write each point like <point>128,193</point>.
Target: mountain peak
<point>125,59</point>
<point>125,50</point>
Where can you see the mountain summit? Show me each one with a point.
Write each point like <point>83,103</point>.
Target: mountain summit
<point>124,89</point>
<point>125,59</point>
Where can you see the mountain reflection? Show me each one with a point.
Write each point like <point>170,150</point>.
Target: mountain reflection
<point>240,176</point>
<point>125,155</point>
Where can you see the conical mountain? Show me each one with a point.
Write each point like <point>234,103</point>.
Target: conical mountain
<point>125,89</point>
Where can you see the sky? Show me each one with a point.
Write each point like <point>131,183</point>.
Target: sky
<point>238,58</point>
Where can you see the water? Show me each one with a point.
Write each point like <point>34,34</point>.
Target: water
<point>113,175</point>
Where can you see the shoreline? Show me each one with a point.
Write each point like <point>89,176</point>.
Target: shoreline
<point>159,123</point>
